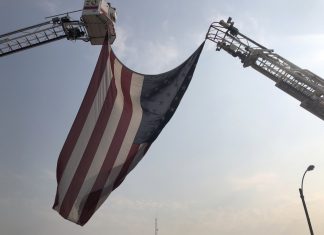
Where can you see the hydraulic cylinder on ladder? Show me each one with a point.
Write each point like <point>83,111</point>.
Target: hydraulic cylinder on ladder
<point>302,84</point>
<point>98,18</point>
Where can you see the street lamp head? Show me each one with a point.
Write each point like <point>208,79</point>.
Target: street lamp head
<point>310,168</point>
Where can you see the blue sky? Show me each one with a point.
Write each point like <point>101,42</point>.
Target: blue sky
<point>229,162</point>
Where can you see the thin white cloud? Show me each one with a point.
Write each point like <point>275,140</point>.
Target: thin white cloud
<point>260,181</point>
<point>165,25</point>
<point>307,38</point>
<point>161,55</point>
<point>49,174</point>
<point>282,216</point>
<point>145,205</point>
<point>311,45</point>
<point>251,220</point>
<point>121,46</point>
<point>148,56</point>
<point>145,56</point>
<point>49,6</point>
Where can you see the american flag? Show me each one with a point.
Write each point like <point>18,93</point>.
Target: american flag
<point>121,115</point>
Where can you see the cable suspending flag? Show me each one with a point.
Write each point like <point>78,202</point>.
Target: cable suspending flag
<point>121,115</point>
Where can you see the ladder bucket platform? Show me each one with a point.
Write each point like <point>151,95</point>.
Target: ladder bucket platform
<point>99,18</point>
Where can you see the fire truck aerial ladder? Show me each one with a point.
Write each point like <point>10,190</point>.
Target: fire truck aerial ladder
<point>302,84</point>
<point>98,18</point>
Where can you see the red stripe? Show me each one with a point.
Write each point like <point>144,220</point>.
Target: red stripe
<point>90,150</point>
<point>83,112</point>
<point>114,148</point>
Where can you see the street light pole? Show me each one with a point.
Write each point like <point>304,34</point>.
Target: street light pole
<point>310,168</point>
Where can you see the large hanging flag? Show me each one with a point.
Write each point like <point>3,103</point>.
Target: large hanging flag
<point>122,113</point>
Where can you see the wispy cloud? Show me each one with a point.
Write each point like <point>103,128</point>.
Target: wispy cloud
<point>259,181</point>
<point>254,27</point>
<point>49,174</point>
<point>121,45</point>
<point>161,55</point>
<point>309,48</point>
<point>252,220</point>
<point>165,25</point>
<point>49,6</point>
<point>147,56</point>
<point>280,217</point>
<point>307,38</point>
<point>128,203</point>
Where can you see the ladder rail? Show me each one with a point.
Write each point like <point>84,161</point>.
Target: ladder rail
<point>31,33</point>
<point>300,83</point>
<point>26,29</point>
<point>39,34</point>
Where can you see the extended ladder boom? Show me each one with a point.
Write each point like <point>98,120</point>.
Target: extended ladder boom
<point>302,84</point>
<point>39,34</point>
<point>96,23</point>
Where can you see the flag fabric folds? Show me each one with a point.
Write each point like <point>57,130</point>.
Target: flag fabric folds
<point>122,113</point>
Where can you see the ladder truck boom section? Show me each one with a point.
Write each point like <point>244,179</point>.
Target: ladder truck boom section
<point>300,83</point>
<point>98,18</point>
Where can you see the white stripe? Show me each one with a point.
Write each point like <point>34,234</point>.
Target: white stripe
<point>84,137</point>
<point>135,92</point>
<point>103,147</point>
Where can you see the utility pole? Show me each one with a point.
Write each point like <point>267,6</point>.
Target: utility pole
<point>156,227</point>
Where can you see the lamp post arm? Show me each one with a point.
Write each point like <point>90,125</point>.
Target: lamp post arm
<point>302,183</point>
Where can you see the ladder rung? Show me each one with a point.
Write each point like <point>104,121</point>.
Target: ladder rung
<point>37,38</point>
<point>46,35</point>
<point>28,41</point>
<point>19,45</point>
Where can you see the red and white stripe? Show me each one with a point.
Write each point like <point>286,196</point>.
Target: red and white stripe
<point>99,150</point>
